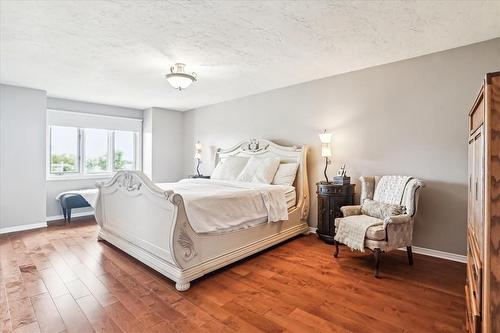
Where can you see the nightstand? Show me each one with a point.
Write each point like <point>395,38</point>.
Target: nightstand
<point>201,176</point>
<point>330,198</point>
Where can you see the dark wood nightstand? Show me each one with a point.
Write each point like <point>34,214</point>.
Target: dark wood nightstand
<point>330,198</point>
<point>201,176</point>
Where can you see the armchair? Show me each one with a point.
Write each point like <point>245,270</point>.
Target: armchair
<point>395,231</point>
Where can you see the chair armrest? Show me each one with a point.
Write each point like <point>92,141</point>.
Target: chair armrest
<point>350,210</point>
<point>398,219</point>
<point>399,231</point>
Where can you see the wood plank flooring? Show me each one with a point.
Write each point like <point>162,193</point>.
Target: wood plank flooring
<point>60,279</point>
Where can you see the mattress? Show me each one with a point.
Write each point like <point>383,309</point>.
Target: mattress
<point>214,206</point>
<point>290,197</point>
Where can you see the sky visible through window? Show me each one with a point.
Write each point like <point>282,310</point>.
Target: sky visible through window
<point>64,149</point>
<point>64,140</point>
<point>124,143</point>
<point>96,150</point>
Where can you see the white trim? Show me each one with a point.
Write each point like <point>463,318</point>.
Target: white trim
<point>426,252</point>
<point>438,254</point>
<point>92,113</point>
<point>23,227</point>
<point>92,120</point>
<point>61,217</point>
<point>80,177</point>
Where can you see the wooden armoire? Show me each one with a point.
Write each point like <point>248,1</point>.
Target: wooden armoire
<point>482,288</point>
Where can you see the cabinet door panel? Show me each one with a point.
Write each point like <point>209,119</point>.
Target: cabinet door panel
<point>470,184</point>
<point>323,214</point>
<point>335,204</point>
<point>478,189</point>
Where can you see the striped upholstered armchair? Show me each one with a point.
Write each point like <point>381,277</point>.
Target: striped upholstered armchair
<point>384,219</point>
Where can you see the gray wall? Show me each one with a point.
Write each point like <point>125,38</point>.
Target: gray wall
<point>407,117</point>
<point>54,187</point>
<point>163,145</point>
<point>22,156</point>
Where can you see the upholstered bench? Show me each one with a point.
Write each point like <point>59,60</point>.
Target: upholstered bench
<point>76,199</point>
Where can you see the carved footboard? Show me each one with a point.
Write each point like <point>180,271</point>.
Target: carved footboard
<point>148,223</point>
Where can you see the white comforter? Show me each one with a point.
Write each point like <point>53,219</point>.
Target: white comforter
<point>216,205</point>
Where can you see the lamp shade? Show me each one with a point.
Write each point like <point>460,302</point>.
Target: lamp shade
<point>179,81</point>
<point>198,147</point>
<point>325,137</point>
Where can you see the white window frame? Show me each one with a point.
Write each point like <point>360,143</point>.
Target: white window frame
<point>82,174</point>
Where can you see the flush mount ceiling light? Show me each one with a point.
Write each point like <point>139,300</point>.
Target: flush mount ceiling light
<point>178,78</point>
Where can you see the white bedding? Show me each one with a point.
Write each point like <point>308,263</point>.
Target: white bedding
<point>221,205</point>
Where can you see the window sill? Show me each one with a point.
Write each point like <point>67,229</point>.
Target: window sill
<point>79,177</point>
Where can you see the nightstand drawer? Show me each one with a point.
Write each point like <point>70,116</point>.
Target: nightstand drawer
<point>335,190</point>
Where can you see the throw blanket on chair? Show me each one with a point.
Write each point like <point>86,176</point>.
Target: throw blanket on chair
<point>390,189</point>
<point>353,234</point>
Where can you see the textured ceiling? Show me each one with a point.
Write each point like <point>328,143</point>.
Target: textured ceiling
<point>117,52</point>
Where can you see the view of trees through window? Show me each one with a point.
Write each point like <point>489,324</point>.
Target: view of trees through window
<point>124,156</point>
<point>96,145</point>
<point>102,151</point>
<point>64,150</point>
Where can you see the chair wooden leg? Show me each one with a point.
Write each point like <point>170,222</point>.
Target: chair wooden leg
<point>410,255</point>
<point>336,253</point>
<point>376,255</point>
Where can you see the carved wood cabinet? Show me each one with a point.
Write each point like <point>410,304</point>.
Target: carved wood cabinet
<point>330,198</point>
<point>482,288</point>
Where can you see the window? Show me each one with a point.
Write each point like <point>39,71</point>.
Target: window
<point>123,150</point>
<point>96,150</point>
<point>64,151</point>
<point>89,152</point>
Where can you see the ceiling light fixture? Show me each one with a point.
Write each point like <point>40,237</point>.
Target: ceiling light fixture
<point>178,78</point>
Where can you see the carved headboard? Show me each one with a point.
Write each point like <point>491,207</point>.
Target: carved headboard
<point>266,148</point>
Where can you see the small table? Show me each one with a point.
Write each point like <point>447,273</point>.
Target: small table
<point>330,198</point>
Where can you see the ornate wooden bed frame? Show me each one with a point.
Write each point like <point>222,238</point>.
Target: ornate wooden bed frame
<point>151,225</point>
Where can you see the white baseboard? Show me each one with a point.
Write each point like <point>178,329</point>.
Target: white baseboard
<point>22,227</point>
<point>439,254</point>
<point>426,252</point>
<point>61,217</point>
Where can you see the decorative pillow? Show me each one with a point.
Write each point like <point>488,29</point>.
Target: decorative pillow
<point>380,210</point>
<point>229,168</point>
<point>259,170</point>
<point>286,174</point>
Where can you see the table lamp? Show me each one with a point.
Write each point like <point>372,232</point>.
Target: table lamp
<point>326,150</point>
<point>197,156</point>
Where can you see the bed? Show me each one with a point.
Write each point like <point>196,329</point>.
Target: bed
<point>150,221</point>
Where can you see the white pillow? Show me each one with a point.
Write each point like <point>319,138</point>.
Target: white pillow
<point>229,168</point>
<point>259,170</point>
<point>286,174</point>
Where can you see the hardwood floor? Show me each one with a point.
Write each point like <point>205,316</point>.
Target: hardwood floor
<point>61,279</point>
